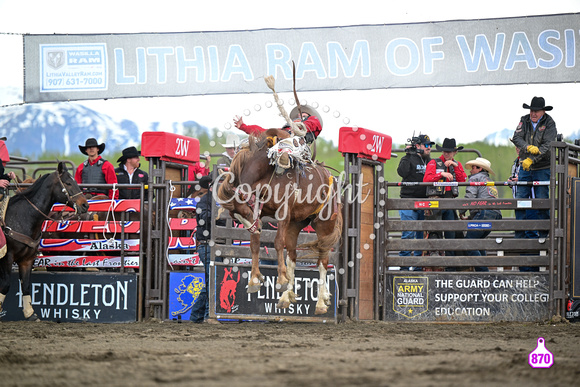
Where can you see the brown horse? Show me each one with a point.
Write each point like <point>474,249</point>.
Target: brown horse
<point>23,223</point>
<point>298,197</point>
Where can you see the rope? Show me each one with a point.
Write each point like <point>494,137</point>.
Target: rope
<point>111,211</point>
<point>171,190</point>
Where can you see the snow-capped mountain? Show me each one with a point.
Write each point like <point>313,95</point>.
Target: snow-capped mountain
<point>36,129</point>
<point>501,137</point>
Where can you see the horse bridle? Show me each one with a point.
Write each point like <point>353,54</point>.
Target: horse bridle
<point>68,196</point>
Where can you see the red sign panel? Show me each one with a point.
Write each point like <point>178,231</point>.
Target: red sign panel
<point>366,143</point>
<point>170,147</point>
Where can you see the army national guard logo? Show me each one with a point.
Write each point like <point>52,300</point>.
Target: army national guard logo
<point>55,59</point>
<point>410,295</point>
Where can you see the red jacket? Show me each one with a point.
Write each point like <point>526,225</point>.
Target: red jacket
<point>196,172</point>
<point>312,124</point>
<point>432,174</point>
<point>108,170</point>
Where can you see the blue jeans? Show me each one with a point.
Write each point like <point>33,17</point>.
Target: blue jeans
<point>540,192</point>
<point>200,310</point>
<point>411,215</point>
<point>482,215</point>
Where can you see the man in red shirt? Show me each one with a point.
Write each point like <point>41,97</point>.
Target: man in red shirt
<point>444,169</point>
<point>96,170</point>
<point>309,117</point>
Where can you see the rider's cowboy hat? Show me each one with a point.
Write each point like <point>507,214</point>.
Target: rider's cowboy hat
<point>449,145</point>
<point>232,141</point>
<point>92,142</point>
<point>538,103</point>
<point>2,138</point>
<point>294,114</point>
<point>129,153</point>
<point>481,162</point>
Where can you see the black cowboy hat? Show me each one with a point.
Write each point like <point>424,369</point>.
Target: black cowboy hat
<point>205,182</point>
<point>129,153</point>
<point>449,145</point>
<point>3,138</point>
<point>92,142</point>
<point>538,103</point>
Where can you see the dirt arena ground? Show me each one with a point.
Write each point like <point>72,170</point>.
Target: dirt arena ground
<point>285,354</point>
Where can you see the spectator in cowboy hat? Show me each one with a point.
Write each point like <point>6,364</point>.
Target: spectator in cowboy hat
<point>533,136</point>
<point>231,145</point>
<point>480,171</point>
<point>96,170</point>
<point>129,172</point>
<point>444,169</point>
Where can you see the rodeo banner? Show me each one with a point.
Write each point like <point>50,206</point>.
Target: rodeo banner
<point>80,297</point>
<point>520,50</point>
<point>232,300</point>
<point>462,298</point>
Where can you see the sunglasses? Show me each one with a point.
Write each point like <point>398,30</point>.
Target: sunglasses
<point>427,145</point>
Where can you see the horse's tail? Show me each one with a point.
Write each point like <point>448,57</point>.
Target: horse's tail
<point>327,242</point>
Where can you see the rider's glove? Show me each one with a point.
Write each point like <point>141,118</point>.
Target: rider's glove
<point>533,149</point>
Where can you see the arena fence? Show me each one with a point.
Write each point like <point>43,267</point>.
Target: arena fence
<point>365,279</point>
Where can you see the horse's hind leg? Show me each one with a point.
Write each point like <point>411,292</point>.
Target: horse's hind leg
<point>323,293</point>
<point>291,239</point>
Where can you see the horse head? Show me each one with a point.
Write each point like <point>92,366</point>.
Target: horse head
<point>68,190</point>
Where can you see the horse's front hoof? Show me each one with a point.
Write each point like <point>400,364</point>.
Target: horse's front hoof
<point>281,288</point>
<point>321,310</point>
<point>254,288</point>
<point>283,304</point>
<point>33,317</point>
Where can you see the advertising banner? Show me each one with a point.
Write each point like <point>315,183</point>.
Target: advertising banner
<point>520,50</point>
<point>184,289</point>
<point>76,297</point>
<point>233,301</point>
<point>466,298</point>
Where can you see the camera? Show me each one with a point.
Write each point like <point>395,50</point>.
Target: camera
<point>412,149</point>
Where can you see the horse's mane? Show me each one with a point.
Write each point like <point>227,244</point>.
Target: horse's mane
<point>32,190</point>
<point>256,143</point>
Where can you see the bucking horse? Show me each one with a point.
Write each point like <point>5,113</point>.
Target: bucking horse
<point>302,195</point>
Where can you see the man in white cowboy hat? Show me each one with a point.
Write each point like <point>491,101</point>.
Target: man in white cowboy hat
<point>96,170</point>
<point>444,169</point>
<point>231,145</point>
<point>129,172</point>
<point>480,170</point>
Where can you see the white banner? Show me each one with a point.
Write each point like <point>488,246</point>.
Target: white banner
<point>540,49</point>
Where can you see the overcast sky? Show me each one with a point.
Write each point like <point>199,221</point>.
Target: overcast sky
<point>466,113</point>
